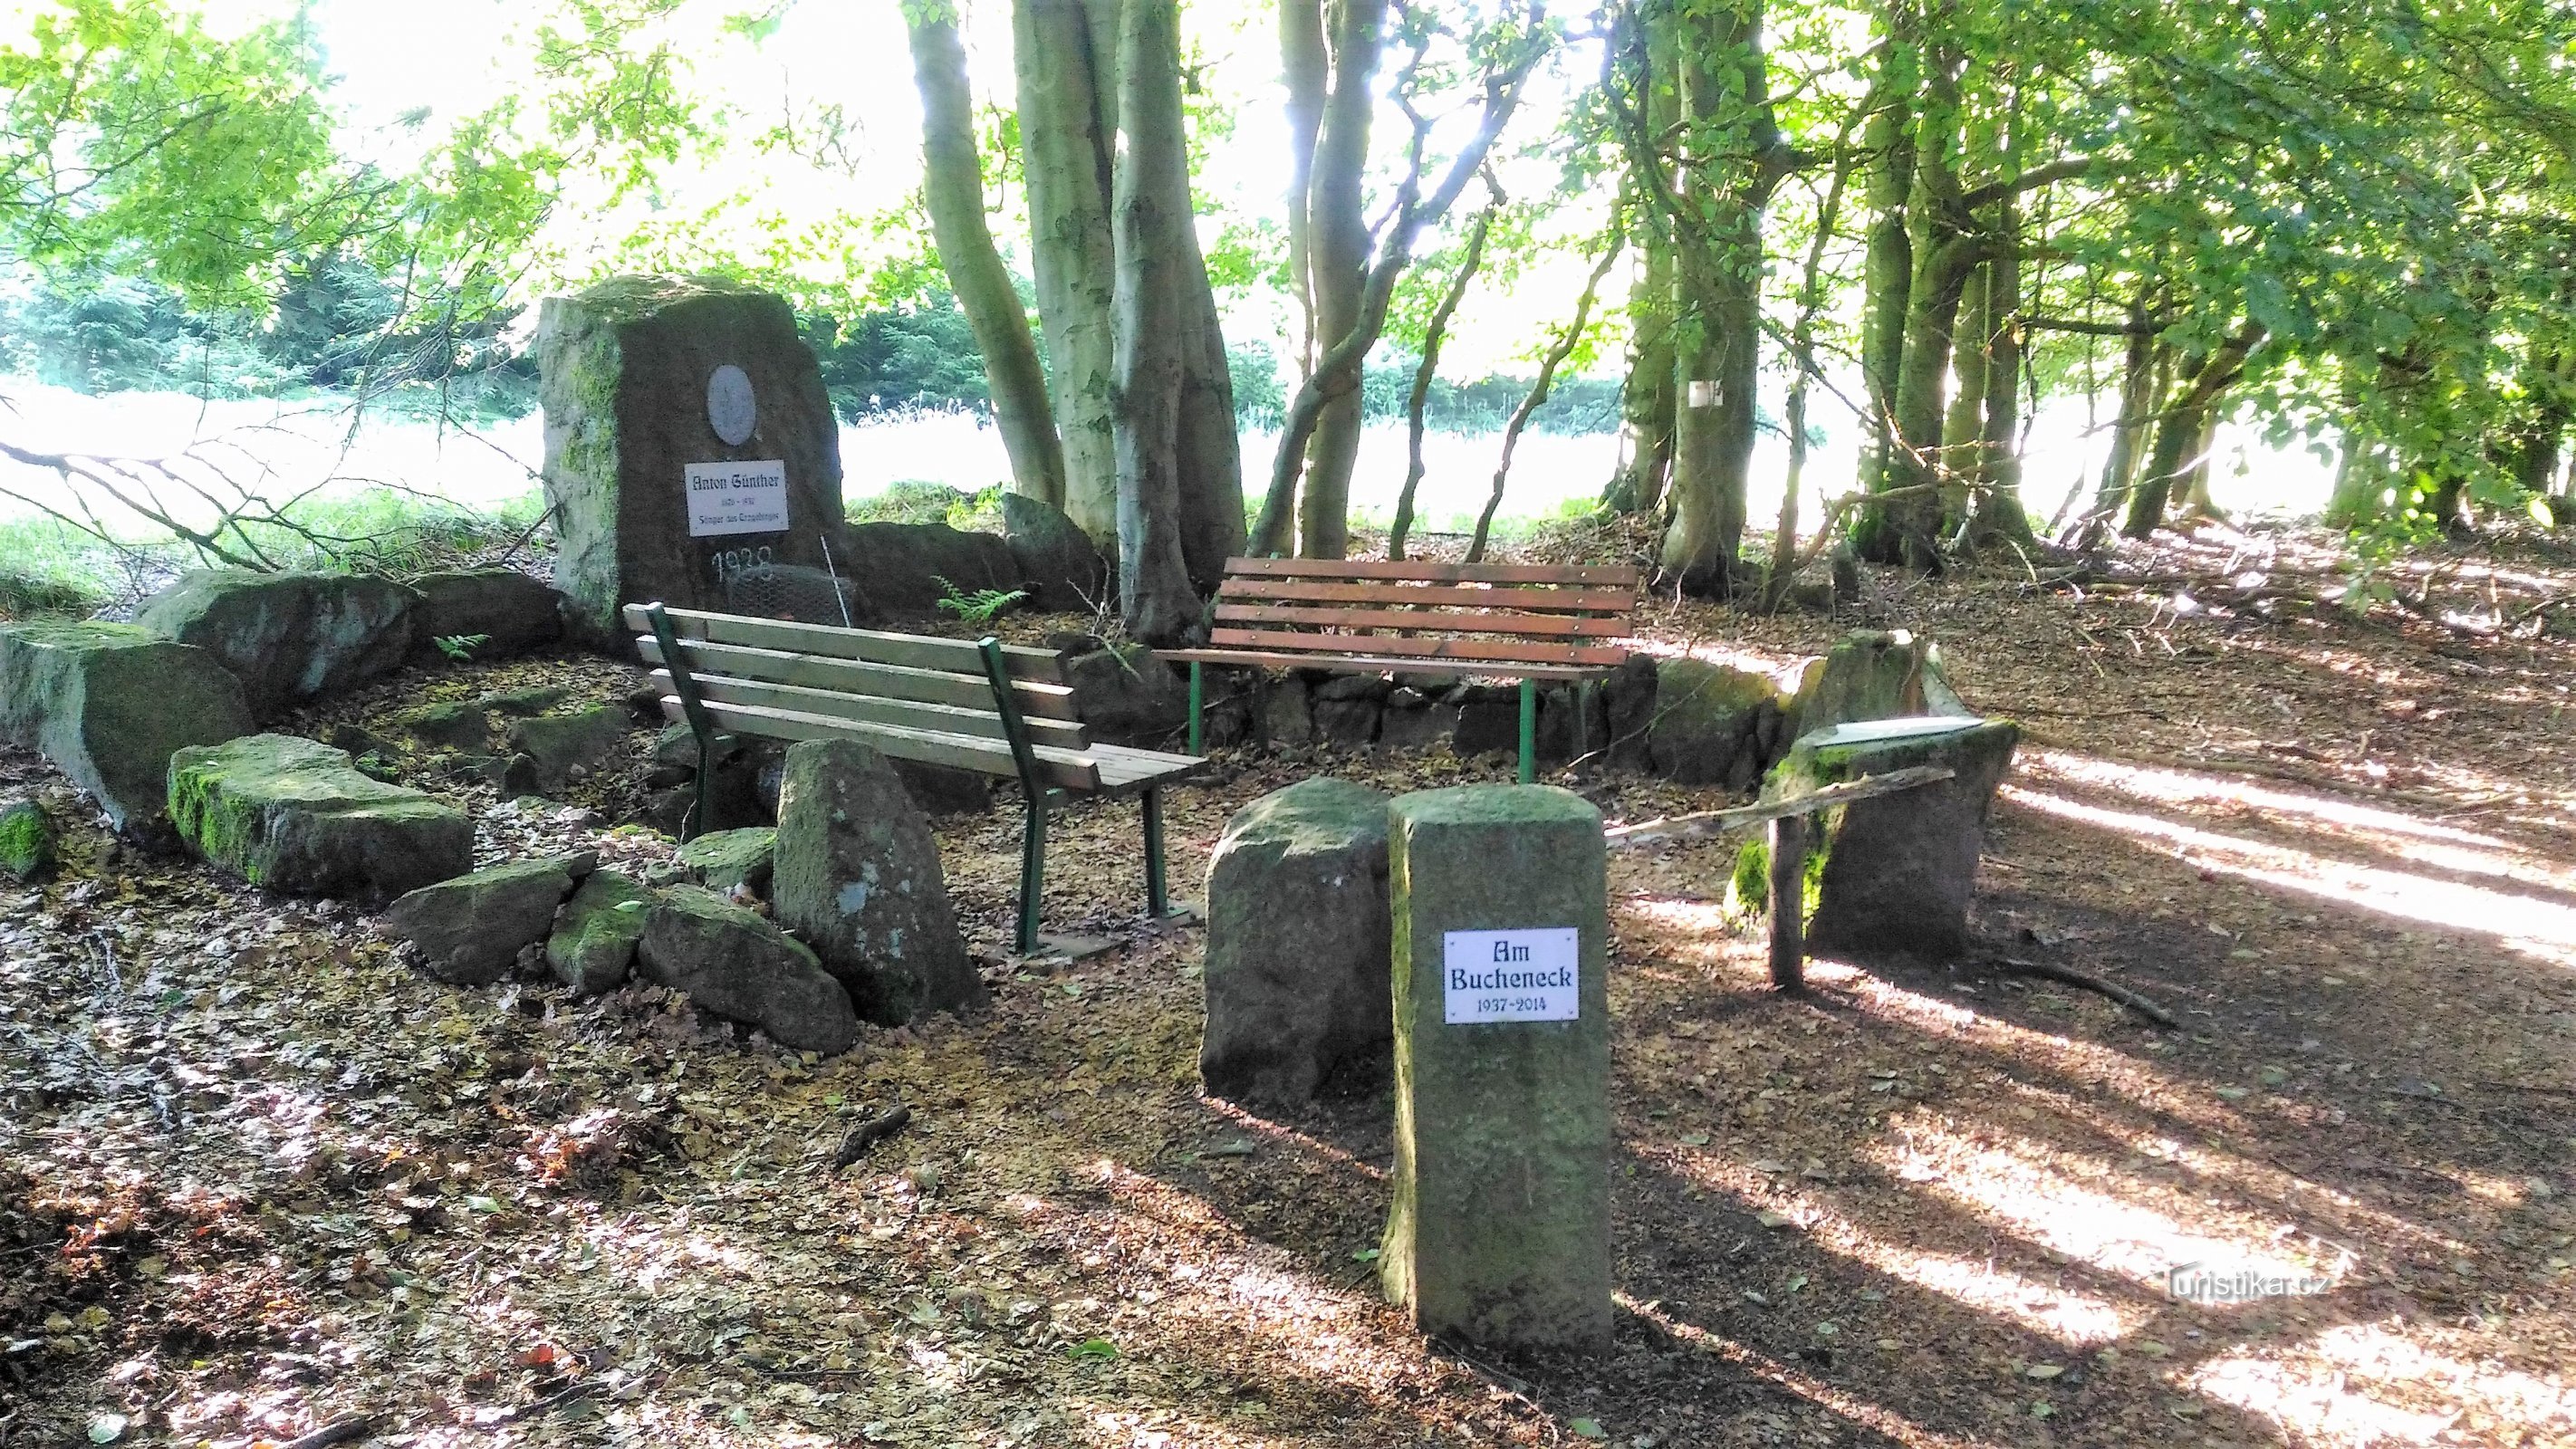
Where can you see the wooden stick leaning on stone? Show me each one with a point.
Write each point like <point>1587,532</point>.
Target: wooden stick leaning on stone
<point>1715,822</point>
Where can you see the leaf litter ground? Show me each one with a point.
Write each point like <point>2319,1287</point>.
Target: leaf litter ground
<point>257,1184</point>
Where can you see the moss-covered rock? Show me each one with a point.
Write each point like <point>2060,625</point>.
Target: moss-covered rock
<point>468,930</point>
<point>289,637</point>
<point>560,744</point>
<point>730,858</point>
<point>26,840</point>
<point>1874,674</point>
<point>592,949</point>
<point>110,703</point>
<point>739,966</point>
<point>1890,878</point>
<point>294,815</point>
<point>858,876</point>
<point>458,724</point>
<point>1296,977</point>
<point>511,611</point>
<point>1713,724</point>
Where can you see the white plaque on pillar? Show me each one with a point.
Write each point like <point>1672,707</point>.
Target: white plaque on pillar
<point>1533,975</point>
<point>737,497</point>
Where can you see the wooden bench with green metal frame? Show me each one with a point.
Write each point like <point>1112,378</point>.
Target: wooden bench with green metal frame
<point>1528,622</point>
<point>988,707</point>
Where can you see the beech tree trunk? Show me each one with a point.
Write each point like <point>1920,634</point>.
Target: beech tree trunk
<point>1963,428</point>
<point>1337,243</point>
<point>1646,400</point>
<point>1998,514</point>
<point>953,191</point>
<point>1727,117</point>
<point>1149,233</point>
<point>2181,428</point>
<point>1067,87</point>
<point>1888,266</point>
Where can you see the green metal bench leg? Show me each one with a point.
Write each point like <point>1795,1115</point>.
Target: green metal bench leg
<point>1529,730</point>
<point>1032,872</point>
<point>1197,701</point>
<point>1158,903</point>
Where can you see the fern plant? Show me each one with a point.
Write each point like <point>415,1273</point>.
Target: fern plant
<point>459,648</point>
<point>979,608</point>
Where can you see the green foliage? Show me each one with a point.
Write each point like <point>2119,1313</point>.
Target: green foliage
<point>915,500</point>
<point>981,607</point>
<point>915,356</point>
<point>459,648</point>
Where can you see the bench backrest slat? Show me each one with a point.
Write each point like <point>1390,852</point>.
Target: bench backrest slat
<point>1060,768</point>
<point>1536,615</point>
<point>929,686</point>
<point>909,651</point>
<point>876,709</point>
<point>1623,577</point>
<point>1583,600</point>
<point>1513,651</point>
<point>1494,621</point>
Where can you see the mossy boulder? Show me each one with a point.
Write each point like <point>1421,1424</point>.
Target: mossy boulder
<point>110,703</point>
<point>902,565</point>
<point>289,637</point>
<point>295,816</point>
<point>1128,694</point>
<point>729,858</point>
<point>468,930</point>
<point>1890,878</point>
<point>737,965</point>
<point>458,724</point>
<point>592,949</point>
<point>511,611</point>
<point>1713,724</point>
<point>1874,674</point>
<point>1296,979</point>
<point>26,840</point>
<point>858,876</point>
<point>1062,566</point>
<point>567,746</point>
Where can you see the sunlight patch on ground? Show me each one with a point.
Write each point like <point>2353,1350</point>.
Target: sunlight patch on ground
<point>1798,1381</point>
<point>2041,1195</point>
<point>2361,1384</point>
<point>2072,1318</point>
<point>2541,929</point>
<point>2425,842</point>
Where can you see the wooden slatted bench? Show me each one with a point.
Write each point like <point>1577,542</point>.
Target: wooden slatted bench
<point>1527,622</point>
<point>988,707</point>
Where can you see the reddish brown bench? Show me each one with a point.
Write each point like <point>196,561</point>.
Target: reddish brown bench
<point>1525,622</point>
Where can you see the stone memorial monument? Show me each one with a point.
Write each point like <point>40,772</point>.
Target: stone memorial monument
<point>1500,1230</point>
<point>691,454</point>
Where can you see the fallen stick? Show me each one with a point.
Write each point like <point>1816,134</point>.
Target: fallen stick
<point>2072,977</point>
<point>1714,822</point>
<point>869,1133</point>
<point>338,1432</point>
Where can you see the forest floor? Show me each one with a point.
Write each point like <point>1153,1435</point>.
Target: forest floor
<point>258,1184</point>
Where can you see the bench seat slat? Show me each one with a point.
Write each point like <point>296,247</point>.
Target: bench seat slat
<point>1448,621</point>
<point>1069,769</point>
<point>1508,651</point>
<point>875,709</point>
<point>850,676</point>
<point>1123,768</point>
<point>910,651</point>
<point>1374,664</point>
<point>1380,595</point>
<point>1624,576</point>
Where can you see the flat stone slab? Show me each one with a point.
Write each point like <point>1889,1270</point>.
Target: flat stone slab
<point>293,815</point>
<point>110,703</point>
<point>730,858</point>
<point>1500,1228</point>
<point>1295,985</point>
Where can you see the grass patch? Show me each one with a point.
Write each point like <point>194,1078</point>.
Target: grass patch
<point>918,501</point>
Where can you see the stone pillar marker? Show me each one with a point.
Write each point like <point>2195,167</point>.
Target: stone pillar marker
<point>1500,1229</point>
